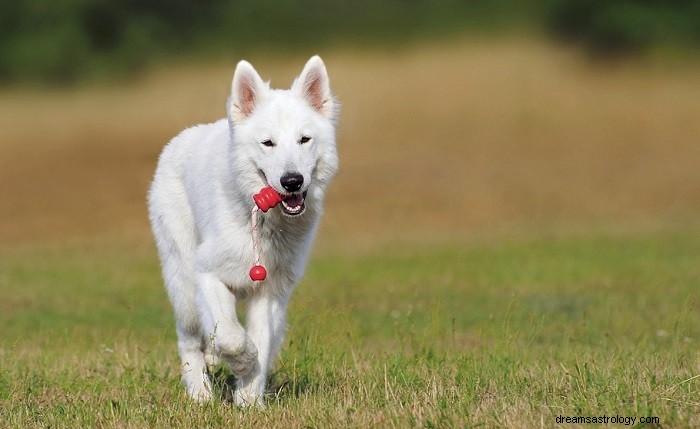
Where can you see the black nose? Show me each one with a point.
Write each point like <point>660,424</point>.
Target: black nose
<point>292,181</point>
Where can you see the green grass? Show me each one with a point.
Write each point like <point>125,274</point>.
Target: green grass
<point>495,334</point>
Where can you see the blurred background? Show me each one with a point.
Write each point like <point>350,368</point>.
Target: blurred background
<point>461,120</point>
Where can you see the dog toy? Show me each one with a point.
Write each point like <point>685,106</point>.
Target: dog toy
<point>266,199</point>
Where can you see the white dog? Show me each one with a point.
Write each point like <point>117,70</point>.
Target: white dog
<point>200,207</point>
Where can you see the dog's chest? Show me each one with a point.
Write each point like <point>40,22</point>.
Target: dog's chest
<point>285,249</point>
<point>283,252</point>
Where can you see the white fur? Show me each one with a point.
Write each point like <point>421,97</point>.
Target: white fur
<point>200,209</point>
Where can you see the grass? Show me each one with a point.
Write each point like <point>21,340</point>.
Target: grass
<point>532,251</point>
<point>495,334</point>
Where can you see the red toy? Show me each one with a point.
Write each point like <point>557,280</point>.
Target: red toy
<point>266,199</point>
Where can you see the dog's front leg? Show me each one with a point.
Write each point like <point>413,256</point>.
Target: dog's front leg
<point>266,324</point>
<point>222,330</point>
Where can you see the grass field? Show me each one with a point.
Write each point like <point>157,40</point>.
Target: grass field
<point>512,238</point>
<point>506,334</point>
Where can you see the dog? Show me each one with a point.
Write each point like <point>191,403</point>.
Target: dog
<point>200,207</point>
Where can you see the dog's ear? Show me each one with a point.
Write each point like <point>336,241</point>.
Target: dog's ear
<point>247,88</point>
<point>313,85</point>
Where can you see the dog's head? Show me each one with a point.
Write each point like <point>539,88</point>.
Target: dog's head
<point>288,135</point>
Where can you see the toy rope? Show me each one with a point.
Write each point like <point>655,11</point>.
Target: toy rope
<point>256,239</point>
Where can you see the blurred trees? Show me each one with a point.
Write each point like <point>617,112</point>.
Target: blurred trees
<point>625,26</point>
<point>62,40</point>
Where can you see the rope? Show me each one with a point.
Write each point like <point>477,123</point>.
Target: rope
<point>256,239</point>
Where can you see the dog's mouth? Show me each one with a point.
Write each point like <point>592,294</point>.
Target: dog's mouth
<point>293,204</point>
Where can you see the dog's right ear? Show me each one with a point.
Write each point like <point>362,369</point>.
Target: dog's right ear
<point>247,88</point>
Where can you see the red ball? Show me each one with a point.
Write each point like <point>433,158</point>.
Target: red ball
<point>258,273</point>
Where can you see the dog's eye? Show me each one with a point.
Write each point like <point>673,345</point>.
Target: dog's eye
<point>268,143</point>
<point>304,139</point>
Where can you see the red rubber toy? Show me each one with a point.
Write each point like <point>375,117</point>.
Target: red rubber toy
<point>267,198</point>
<point>258,273</point>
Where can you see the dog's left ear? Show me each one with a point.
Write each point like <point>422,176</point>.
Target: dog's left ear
<point>313,85</point>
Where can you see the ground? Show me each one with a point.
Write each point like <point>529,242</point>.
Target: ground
<point>512,238</point>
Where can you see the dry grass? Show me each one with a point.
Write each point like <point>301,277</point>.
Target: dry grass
<point>433,139</point>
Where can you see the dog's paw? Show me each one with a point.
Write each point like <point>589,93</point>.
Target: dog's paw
<point>244,399</point>
<point>242,359</point>
<point>201,396</point>
<point>198,387</point>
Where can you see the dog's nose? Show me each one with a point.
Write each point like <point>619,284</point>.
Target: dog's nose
<point>292,181</point>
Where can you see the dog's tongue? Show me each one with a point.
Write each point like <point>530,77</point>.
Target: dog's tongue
<point>294,201</point>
